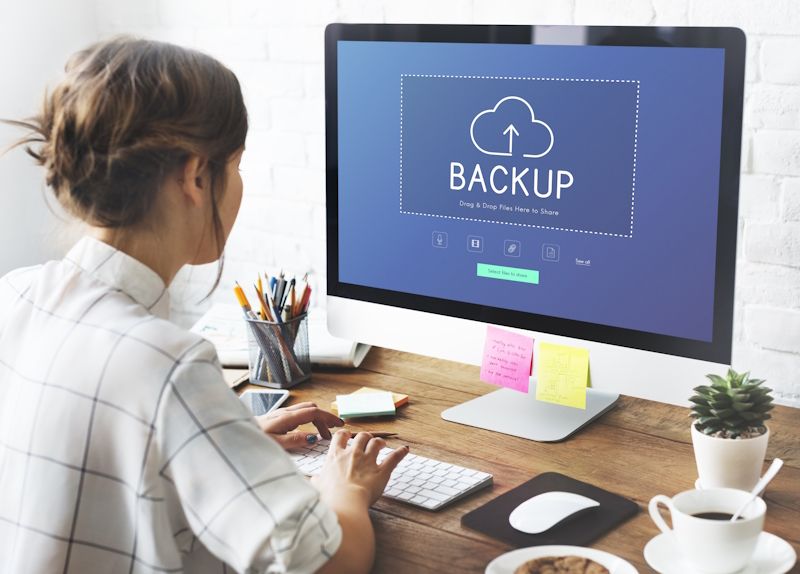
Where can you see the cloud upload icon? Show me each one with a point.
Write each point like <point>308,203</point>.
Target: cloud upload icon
<point>508,125</point>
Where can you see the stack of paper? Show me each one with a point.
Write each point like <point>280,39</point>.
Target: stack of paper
<point>398,398</point>
<point>357,405</point>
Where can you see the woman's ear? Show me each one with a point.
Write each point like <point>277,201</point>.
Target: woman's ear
<point>194,180</point>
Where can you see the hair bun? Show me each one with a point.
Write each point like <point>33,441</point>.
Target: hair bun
<point>126,114</point>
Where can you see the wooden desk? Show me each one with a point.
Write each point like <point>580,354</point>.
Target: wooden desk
<point>638,450</point>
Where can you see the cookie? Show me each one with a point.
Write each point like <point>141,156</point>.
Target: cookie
<point>561,565</point>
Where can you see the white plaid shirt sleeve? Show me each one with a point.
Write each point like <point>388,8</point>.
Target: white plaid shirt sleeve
<point>241,494</point>
<point>121,447</point>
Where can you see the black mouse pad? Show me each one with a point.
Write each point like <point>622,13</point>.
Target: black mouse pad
<point>577,530</point>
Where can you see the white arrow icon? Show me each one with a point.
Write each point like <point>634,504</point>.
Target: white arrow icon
<point>511,131</point>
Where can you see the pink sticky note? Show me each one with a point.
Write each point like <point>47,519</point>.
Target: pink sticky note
<point>507,359</point>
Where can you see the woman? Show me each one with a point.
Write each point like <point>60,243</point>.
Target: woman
<point>121,448</point>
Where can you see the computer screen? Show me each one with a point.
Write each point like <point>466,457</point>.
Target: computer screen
<point>579,182</point>
<point>565,188</point>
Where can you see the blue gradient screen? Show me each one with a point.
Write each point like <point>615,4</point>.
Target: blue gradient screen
<point>578,182</point>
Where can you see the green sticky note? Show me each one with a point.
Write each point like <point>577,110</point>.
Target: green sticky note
<point>563,375</point>
<point>365,405</point>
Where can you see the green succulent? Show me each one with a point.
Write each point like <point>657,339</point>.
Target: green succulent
<point>731,406</point>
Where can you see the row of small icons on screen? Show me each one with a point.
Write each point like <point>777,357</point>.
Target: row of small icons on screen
<point>511,247</point>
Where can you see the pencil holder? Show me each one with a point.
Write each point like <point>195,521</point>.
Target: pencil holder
<point>278,352</point>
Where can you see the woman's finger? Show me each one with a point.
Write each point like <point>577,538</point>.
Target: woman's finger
<point>323,429</point>
<point>295,440</point>
<point>339,440</point>
<point>361,440</point>
<point>290,420</point>
<point>325,420</point>
<point>302,405</point>
<point>393,459</point>
<point>374,446</point>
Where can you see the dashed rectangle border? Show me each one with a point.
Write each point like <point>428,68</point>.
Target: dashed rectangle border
<point>539,78</point>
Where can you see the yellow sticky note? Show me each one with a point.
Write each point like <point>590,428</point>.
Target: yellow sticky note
<point>563,375</point>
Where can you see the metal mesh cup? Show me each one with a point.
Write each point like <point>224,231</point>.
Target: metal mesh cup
<point>278,352</point>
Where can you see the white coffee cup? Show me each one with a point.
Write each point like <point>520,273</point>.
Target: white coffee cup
<point>707,545</point>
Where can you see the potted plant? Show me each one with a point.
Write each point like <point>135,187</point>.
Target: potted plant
<point>728,431</point>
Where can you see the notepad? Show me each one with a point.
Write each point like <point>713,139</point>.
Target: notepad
<point>365,405</point>
<point>563,375</point>
<point>398,398</point>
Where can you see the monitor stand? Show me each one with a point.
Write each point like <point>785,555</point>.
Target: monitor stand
<point>511,412</point>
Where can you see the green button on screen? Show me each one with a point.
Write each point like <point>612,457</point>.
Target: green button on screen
<point>508,273</point>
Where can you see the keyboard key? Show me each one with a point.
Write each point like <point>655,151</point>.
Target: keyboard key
<point>435,495</point>
<point>446,490</point>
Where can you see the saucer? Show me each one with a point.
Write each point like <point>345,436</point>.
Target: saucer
<point>772,555</point>
<point>510,561</point>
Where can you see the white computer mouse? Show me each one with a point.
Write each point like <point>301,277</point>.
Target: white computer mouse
<point>545,510</point>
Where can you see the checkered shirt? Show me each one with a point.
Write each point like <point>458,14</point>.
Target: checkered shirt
<point>121,447</point>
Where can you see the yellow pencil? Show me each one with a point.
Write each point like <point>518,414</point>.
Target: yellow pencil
<point>265,314</point>
<point>242,299</point>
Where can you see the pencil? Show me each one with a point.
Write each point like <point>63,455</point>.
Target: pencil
<point>305,300</point>
<point>242,299</point>
<point>375,434</point>
<point>265,314</point>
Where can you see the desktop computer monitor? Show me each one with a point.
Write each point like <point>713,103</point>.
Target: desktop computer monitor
<point>575,183</point>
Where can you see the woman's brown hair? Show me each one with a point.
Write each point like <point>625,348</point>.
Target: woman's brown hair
<point>127,113</point>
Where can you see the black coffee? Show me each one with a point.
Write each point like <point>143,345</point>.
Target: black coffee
<point>715,516</point>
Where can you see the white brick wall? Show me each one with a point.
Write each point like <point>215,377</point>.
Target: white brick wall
<point>276,49</point>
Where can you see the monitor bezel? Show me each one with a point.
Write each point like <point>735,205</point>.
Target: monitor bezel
<point>731,40</point>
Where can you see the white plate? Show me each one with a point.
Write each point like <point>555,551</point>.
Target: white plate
<point>772,555</point>
<point>510,561</point>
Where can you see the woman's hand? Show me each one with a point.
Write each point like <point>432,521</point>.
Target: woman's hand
<point>349,482</point>
<point>281,424</point>
<point>353,470</point>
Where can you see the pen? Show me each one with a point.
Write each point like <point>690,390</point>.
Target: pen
<point>286,292</point>
<point>279,288</point>
<point>271,305</point>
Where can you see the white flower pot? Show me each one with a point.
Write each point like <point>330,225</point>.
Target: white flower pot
<point>729,463</point>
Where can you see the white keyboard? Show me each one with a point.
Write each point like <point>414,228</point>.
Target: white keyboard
<point>417,480</point>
